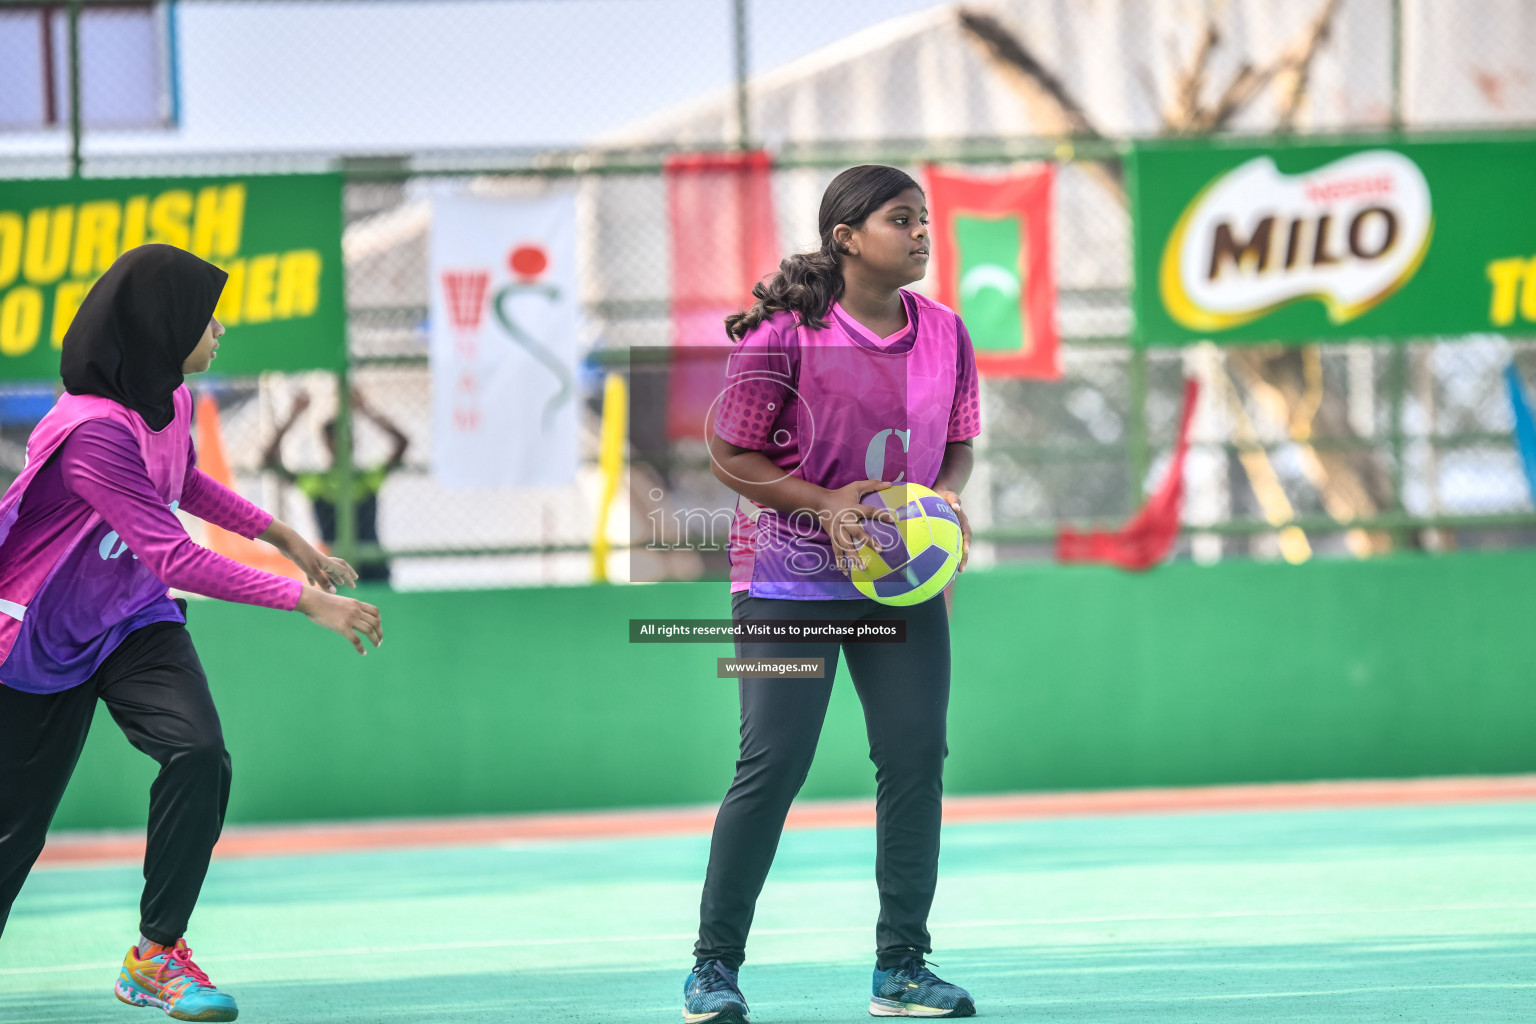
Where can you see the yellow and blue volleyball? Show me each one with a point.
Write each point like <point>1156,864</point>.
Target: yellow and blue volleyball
<point>917,555</point>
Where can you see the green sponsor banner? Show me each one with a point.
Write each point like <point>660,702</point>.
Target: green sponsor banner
<point>1298,241</point>
<point>278,236</point>
<point>990,249</point>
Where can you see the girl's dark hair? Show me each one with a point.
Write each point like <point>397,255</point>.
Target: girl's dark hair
<point>807,283</point>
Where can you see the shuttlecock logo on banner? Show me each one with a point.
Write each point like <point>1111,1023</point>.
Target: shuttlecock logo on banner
<point>505,325</point>
<point>1347,234</point>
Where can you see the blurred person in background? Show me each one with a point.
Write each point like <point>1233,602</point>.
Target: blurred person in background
<point>89,543</point>
<point>323,489</point>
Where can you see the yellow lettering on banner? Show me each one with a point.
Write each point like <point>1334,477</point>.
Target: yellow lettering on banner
<point>47,248</point>
<point>258,288</point>
<point>1528,292</point>
<point>298,284</point>
<point>135,216</point>
<point>220,218</point>
<point>96,237</point>
<point>168,218</point>
<point>231,300</point>
<point>66,303</point>
<point>1506,276</point>
<point>1514,289</point>
<point>10,247</point>
<point>21,318</point>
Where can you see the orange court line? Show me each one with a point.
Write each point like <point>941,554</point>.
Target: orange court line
<point>96,848</point>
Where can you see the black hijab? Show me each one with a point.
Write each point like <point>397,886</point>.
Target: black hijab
<point>136,327</point>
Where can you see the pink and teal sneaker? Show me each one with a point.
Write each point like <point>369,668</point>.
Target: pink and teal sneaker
<point>170,980</point>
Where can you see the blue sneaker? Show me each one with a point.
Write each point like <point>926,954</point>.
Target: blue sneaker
<point>912,990</point>
<point>710,994</point>
<point>170,981</point>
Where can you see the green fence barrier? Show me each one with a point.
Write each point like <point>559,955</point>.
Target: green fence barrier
<point>527,700</point>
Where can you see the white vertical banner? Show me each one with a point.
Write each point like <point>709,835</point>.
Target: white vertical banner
<point>505,321</point>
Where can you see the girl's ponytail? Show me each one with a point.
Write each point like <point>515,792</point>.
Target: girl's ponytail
<point>807,283</point>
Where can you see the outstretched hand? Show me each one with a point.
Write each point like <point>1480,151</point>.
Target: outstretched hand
<point>344,616</point>
<point>842,515</point>
<point>324,571</point>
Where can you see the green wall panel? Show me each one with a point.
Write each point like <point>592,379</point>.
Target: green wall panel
<point>487,702</point>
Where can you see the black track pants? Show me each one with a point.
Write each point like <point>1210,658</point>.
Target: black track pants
<point>154,686</point>
<point>905,692</point>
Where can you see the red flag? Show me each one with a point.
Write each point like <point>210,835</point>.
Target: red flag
<point>1147,538</point>
<point>720,210</point>
<point>992,239</point>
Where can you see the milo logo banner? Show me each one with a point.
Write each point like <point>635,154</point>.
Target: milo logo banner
<point>1332,242</point>
<point>278,236</point>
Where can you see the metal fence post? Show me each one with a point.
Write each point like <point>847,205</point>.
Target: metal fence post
<point>1397,375</point>
<point>74,88</point>
<point>1139,448</point>
<point>739,27</point>
<point>346,507</point>
<point>1396,114</point>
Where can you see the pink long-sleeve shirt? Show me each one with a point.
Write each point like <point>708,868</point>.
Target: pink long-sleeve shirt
<point>114,581</point>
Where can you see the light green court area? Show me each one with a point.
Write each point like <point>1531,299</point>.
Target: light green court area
<point>1405,914</point>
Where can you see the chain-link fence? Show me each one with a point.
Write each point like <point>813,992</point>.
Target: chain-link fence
<point>1345,448</point>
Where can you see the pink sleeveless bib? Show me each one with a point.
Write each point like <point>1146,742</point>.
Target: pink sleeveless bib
<point>165,455</point>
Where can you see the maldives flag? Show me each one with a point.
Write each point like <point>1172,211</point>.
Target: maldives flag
<point>992,243</point>
<point>720,211</point>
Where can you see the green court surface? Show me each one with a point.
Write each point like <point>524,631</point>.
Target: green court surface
<point>1423,913</point>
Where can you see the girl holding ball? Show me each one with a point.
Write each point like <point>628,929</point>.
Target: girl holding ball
<point>842,382</point>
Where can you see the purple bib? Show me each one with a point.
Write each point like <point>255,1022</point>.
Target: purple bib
<point>78,591</point>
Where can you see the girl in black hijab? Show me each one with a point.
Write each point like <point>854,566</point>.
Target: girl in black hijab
<point>89,542</point>
<point>137,327</point>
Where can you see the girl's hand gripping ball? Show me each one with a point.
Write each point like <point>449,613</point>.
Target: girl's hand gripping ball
<point>913,558</point>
